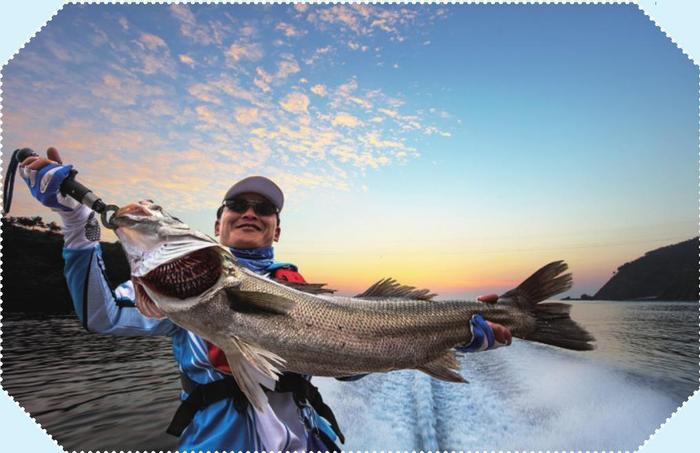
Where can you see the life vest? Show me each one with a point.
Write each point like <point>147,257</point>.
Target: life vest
<point>201,395</point>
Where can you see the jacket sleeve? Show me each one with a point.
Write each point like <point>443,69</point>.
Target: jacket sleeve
<point>97,306</point>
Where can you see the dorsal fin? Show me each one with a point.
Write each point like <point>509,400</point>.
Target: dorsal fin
<point>388,287</point>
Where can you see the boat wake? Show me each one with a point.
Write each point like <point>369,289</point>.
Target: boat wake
<point>525,397</point>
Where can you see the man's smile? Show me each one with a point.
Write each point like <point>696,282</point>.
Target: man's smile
<point>248,226</point>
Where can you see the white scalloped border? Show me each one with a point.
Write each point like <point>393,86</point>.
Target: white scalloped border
<point>2,148</point>
<point>497,2</point>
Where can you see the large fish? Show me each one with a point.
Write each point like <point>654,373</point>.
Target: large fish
<point>265,327</point>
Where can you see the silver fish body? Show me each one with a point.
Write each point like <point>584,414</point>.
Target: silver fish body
<point>265,327</point>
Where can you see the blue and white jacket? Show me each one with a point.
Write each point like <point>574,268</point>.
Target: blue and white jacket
<point>218,426</point>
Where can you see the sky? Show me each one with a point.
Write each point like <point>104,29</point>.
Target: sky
<point>454,147</point>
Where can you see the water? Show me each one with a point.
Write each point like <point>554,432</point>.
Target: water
<point>94,392</point>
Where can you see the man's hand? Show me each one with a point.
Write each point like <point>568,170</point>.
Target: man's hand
<point>145,304</point>
<point>486,335</point>
<point>44,176</point>
<point>38,162</point>
<point>501,334</point>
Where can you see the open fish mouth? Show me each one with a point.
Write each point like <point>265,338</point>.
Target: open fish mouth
<point>187,276</point>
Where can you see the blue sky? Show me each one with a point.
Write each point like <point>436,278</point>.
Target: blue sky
<point>453,146</point>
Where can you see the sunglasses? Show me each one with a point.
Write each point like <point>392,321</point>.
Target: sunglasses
<point>261,208</point>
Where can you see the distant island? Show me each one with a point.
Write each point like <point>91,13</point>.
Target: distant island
<point>667,273</point>
<point>32,266</point>
<point>33,282</point>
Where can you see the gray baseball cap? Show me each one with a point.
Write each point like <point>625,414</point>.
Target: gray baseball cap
<point>260,185</point>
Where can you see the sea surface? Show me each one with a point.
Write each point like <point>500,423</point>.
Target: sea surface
<point>95,392</point>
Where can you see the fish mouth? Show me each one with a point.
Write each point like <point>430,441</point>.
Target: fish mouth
<point>187,276</point>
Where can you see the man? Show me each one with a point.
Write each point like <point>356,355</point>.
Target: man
<point>214,415</point>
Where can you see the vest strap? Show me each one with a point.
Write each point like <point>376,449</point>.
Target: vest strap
<point>202,395</point>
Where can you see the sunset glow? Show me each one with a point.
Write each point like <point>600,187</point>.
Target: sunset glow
<point>454,147</point>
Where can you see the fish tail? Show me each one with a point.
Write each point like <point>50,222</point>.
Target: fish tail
<point>553,324</point>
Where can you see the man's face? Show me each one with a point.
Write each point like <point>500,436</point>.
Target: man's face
<point>247,230</point>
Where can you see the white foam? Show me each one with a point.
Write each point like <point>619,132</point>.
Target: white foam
<point>525,397</point>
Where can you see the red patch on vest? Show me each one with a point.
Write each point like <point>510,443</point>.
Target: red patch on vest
<point>217,358</point>
<point>288,275</point>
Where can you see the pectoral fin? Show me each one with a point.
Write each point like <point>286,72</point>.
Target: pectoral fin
<point>257,302</point>
<point>445,368</point>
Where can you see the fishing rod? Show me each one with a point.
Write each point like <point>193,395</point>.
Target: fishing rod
<point>69,187</point>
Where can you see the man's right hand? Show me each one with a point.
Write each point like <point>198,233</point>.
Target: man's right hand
<point>44,176</point>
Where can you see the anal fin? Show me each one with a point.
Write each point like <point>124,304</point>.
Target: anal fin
<point>445,368</point>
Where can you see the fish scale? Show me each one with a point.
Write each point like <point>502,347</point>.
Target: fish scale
<point>265,327</point>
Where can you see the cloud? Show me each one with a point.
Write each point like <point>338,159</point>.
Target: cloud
<point>358,158</point>
<point>341,15</point>
<point>213,91</point>
<point>287,67</point>
<point>63,53</point>
<point>319,90</point>
<point>186,59</point>
<point>364,20</point>
<point>233,88</point>
<point>373,140</point>
<point>122,91</point>
<point>295,103</point>
<point>152,42</point>
<point>244,51</point>
<point>205,114</point>
<point>289,30</point>
<point>161,107</point>
<point>205,93</point>
<point>345,119</point>
<point>318,53</point>
<point>247,30</point>
<point>205,34</point>
<point>246,115</point>
<point>389,113</point>
<point>355,46</point>
<point>153,64</point>
<point>345,95</point>
<point>430,130</point>
<point>361,102</point>
<point>248,104</point>
<point>123,23</point>
<point>263,80</point>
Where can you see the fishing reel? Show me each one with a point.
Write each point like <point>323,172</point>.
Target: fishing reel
<point>69,187</point>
